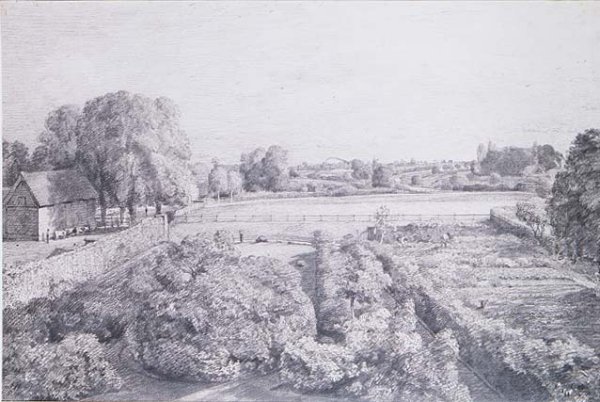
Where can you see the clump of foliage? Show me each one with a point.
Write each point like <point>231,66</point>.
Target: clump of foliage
<point>361,170</point>
<point>193,311</point>
<point>574,207</point>
<point>514,161</point>
<point>533,217</point>
<point>382,176</point>
<point>69,369</point>
<point>265,170</point>
<point>368,346</point>
<point>212,314</point>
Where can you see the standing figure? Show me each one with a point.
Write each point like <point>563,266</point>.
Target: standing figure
<point>146,210</point>
<point>47,235</point>
<point>241,237</point>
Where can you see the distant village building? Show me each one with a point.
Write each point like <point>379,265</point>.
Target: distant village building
<point>45,202</point>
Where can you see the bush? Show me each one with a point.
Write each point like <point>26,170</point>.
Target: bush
<point>382,176</point>
<point>416,180</point>
<point>311,366</point>
<point>212,314</point>
<point>71,369</point>
<point>378,354</point>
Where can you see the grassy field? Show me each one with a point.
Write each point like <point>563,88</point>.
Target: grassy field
<point>410,204</point>
<point>426,204</point>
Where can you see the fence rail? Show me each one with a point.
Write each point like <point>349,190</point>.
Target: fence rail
<point>295,218</point>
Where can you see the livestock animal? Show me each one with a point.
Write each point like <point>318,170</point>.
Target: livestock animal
<point>60,234</point>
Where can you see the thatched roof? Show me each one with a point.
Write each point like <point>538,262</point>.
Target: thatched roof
<point>59,186</point>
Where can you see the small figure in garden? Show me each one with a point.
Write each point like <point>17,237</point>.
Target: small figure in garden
<point>446,238</point>
<point>47,235</point>
<point>146,210</point>
<point>241,237</point>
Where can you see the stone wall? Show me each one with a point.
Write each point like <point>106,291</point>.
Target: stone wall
<point>506,219</point>
<point>67,270</point>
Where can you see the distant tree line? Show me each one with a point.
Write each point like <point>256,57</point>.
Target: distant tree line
<point>129,146</point>
<point>515,161</point>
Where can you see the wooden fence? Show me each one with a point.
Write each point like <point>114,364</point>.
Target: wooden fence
<point>342,218</point>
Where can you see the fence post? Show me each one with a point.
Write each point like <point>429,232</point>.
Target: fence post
<point>166,227</point>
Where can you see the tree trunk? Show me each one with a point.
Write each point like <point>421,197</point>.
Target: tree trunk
<point>158,207</point>
<point>132,213</point>
<point>102,202</point>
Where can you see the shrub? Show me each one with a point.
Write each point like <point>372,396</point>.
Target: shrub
<point>232,313</point>
<point>533,217</point>
<point>382,176</point>
<point>416,180</point>
<point>311,366</point>
<point>71,369</point>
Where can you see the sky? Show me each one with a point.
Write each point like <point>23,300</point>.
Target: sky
<point>386,80</point>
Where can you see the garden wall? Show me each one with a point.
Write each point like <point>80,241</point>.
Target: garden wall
<point>64,271</point>
<point>506,220</point>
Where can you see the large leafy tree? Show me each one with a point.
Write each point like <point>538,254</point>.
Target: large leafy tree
<point>217,180</point>
<point>275,168</point>
<point>234,183</point>
<point>574,208</point>
<point>59,139</point>
<point>265,170</point>
<point>15,159</point>
<point>132,149</point>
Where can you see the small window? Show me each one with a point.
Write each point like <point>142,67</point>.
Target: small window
<point>21,200</point>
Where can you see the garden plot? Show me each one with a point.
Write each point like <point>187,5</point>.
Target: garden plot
<point>504,278</point>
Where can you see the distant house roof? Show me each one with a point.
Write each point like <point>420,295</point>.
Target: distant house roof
<point>59,186</point>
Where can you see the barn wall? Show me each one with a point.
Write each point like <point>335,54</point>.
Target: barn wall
<point>22,190</point>
<point>67,216</point>
<point>20,221</point>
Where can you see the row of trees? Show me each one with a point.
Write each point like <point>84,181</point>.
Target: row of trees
<point>259,170</point>
<point>380,175</point>
<point>129,146</point>
<point>514,161</point>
